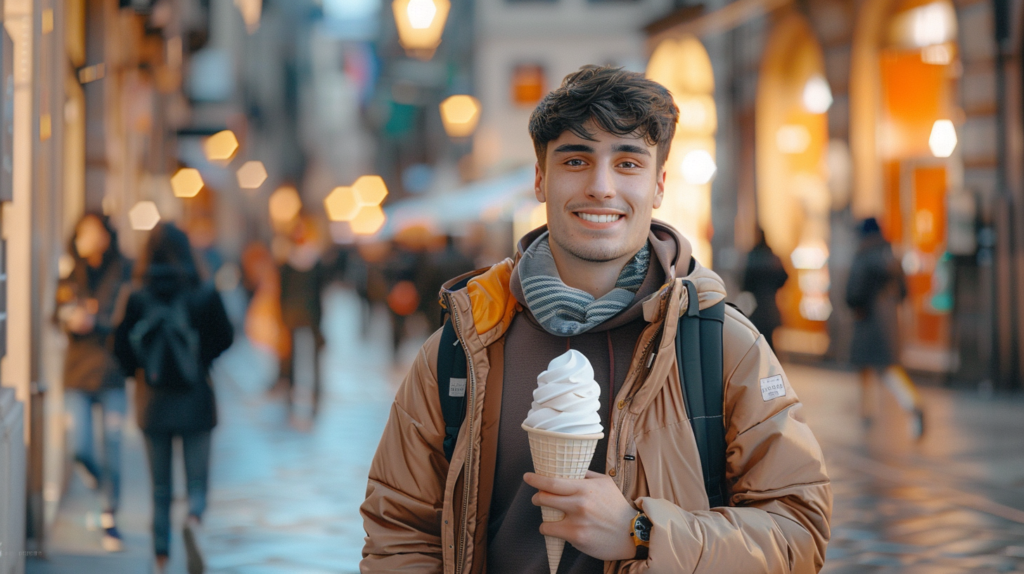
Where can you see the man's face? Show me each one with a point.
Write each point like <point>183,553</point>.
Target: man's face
<point>600,194</point>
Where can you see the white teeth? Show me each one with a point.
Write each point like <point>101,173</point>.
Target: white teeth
<point>598,218</point>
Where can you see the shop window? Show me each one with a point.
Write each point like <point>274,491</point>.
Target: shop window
<point>528,84</point>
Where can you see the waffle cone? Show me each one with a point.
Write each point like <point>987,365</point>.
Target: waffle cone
<point>559,455</point>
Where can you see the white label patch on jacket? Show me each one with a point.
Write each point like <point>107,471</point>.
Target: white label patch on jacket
<point>457,387</point>
<point>772,388</point>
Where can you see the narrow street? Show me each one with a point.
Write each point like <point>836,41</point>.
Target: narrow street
<point>286,501</point>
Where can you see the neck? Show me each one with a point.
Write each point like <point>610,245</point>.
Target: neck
<point>94,261</point>
<point>597,278</point>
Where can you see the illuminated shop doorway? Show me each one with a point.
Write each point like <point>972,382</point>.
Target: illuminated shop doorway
<point>683,66</point>
<point>793,198</point>
<point>911,46</point>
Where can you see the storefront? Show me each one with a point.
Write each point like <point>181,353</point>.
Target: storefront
<point>830,112</point>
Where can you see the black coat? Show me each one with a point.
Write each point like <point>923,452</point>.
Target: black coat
<point>89,363</point>
<point>764,276</point>
<point>176,410</point>
<point>873,292</point>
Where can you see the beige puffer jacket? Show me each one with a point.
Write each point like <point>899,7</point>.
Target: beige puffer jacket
<point>423,515</point>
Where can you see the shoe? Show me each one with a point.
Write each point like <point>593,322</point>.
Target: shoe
<point>193,553</point>
<point>111,537</point>
<point>917,425</point>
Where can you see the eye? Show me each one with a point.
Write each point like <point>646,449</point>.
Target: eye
<point>629,164</point>
<point>574,162</point>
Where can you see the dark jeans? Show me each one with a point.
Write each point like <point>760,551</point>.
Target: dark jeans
<point>196,450</point>
<point>113,405</point>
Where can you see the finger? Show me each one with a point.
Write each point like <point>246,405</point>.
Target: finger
<point>566,504</point>
<point>562,486</point>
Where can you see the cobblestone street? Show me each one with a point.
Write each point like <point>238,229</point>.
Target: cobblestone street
<point>286,501</point>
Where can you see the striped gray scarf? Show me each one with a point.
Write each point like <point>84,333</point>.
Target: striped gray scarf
<point>567,311</point>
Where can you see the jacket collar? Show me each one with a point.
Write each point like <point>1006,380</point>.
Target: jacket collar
<point>487,293</point>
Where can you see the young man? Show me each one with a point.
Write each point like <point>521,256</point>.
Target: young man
<point>606,280</point>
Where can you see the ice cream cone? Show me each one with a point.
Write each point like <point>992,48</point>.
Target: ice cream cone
<point>560,455</point>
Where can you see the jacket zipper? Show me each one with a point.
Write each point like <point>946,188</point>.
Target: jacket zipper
<point>470,408</point>
<point>641,370</point>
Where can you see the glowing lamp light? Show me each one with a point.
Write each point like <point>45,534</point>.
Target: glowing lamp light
<point>186,182</point>
<point>817,95</point>
<point>792,139</point>
<point>933,23</point>
<point>221,146</point>
<point>698,167</point>
<point>143,216</point>
<point>942,140</point>
<point>251,175</point>
<point>460,115</point>
<point>369,220</point>
<point>810,256</point>
<point>285,205</point>
<point>420,25</point>
<point>342,204</point>
<point>370,190</point>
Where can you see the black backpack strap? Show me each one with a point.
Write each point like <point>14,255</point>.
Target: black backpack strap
<point>451,386</point>
<point>451,380</point>
<point>699,355</point>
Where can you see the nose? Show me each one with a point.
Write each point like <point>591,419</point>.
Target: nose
<point>602,184</point>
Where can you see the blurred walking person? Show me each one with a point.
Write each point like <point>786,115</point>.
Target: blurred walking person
<point>763,278</point>
<point>302,282</point>
<point>174,327</point>
<point>87,303</point>
<point>874,291</point>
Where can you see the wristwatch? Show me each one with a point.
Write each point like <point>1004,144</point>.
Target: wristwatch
<point>640,530</point>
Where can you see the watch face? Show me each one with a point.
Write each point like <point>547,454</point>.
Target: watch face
<point>642,527</point>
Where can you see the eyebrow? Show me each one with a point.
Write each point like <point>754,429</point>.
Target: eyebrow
<point>620,148</point>
<point>574,148</point>
<point>628,148</point>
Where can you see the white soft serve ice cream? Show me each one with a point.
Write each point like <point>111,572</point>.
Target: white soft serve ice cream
<point>567,397</point>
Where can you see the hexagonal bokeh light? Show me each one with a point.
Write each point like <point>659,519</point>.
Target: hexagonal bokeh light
<point>460,114</point>
<point>285,204</point>
<point>187,182</point>
<point>370,190</point>
<point>342,204</point>
<point>369,220</point>
<point>143,216</point>
<point>221,146</point>
<point>251,175</point>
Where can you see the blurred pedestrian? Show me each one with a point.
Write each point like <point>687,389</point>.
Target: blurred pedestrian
<point>302,283</point>
<point>88,301</point>
<point>763,277</point>
<point>874,291</point>
<point>174,327</point>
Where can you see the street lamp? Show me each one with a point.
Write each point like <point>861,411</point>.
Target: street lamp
<point>460,115</point>
<point>420,25</point>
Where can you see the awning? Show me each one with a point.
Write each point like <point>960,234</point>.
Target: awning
<point>488,200</point>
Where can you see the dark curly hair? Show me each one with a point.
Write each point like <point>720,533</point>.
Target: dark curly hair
<point>618,101</point>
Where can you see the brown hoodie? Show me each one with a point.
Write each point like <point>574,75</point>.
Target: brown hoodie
<point>423,515</point>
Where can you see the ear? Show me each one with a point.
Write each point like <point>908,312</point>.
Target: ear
<point>659,188</point>
<point>538,183</point>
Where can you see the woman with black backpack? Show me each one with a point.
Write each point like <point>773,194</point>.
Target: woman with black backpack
<point>173,329</point>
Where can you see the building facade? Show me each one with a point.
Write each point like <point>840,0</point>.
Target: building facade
<point>832,111</point>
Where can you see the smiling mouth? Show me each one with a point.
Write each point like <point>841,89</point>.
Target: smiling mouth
<point>595,218</point>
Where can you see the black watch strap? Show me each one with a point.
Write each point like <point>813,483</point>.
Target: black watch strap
<point>641,553</point>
